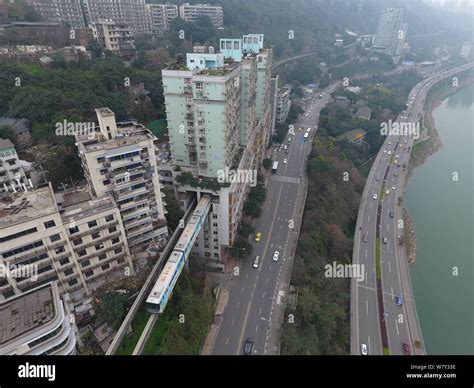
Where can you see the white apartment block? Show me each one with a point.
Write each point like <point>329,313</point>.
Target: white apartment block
<point>120,161</point>
<point>36,323</point>
<point>131,12</point>
<point>283,105</point>
<point>159,17</point>
<point>68,11</point>
<point>391,33</point>
<point>190,12</point>
<point>114,36</point>
<point>70,238</point>
<point>12,174</point>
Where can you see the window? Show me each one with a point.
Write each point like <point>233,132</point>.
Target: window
<point>85,263</point>
<point>77,241</point>
<point>103,256</point>
<point>92,224</point>
<point>68,272</point>
<point>105,267</point>
<point>109,218</point>
<point>72,282</point>
<point>89,273</point>
<point>73,230</point>
<point>98,247</point>
<point>49,224</point>
<point>118,250</point>
<point>55,237</point>
<point>64,261</point>
<point>112,229</point>
<point>82,253</point>
<point>59,250</point>
<point>115,240</point>
<point>95,235</point>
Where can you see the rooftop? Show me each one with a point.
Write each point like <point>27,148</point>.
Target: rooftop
<point>23,206</point>
<point>80,202</point>
<point>5,143</point>
<point>26,312</point>
<point>130,133</point>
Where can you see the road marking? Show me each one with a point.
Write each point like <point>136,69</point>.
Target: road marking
<point>227,341</point>
<point>243,288</point>
<point>389,268</point>
<point>367,306</point>
<point>396,324</point>
<point>256,328</point>
<point>368,218</point>
<point>247,276</point>
<point>267,281</point>
<point>263,296</point>
<point>392,292</point>
<point>260,311</point>
<point>233,320</point>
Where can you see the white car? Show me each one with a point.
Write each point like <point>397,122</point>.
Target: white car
<point>256,262</point>
<point>389,152</point>
<point>276,255</point>
<point>285,147</point>
<point>394,188</point>
<point>363,349</point>
<point>384,151</point>
<point>375,196</point>
<point>284,161</point>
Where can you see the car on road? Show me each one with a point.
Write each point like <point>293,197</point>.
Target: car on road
<point>287,152</point>
<point>389,152</point>
<point>390,142</point>
<point>395,174</point>
<point>248,346</point>
<point>366,237</point>
<point>284,161</point>
<point>363,349</point>
<point>256,262</point>
<point>395,161</point>
<point>399,300</point>
<point>375,196</point>
<point>397,156</point>
<point>285,147</point>
<point>390,214</point>
<point>384,151</point>
<point>257,236</point>
<point>394,188</point>
<point>276,255</point>
<point>406,348</point>
<point>385,240</point>
<point>406,141</point>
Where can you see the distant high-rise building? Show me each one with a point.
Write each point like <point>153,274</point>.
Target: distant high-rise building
<point>131,12</point>
<point>62,11</point>
<point>114,36</point>
<point>159,17</point>
<point>190,12</point>
<point>391,33</point>
<point>283,105</point>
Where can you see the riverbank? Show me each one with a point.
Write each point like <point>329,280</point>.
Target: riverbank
<point>428,145</point>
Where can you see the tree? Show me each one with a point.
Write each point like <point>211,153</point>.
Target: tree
<point>241,248</point>
<point>252,209</point>
<point>7,133</point>
<point>245,230</point>
<point>267,163</point>
<point>94,48</point>
<point>111,307</point>
<point>175,214</point>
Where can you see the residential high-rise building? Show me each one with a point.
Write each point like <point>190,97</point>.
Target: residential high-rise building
<point>70,238</point>
<point>114,36</point>
<point>391,33</point>
<point>190,12</point>
<point>61,11</point>
<point>131,12</point>
<point>36,322</point>
<point>159,17</point>
<point>218,120</point>
<point>273,103</point>
<point>120,161</point>
<point>283,105</point>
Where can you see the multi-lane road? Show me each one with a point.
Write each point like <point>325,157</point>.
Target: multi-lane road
<point>377,321</point>
<point>256,294</point>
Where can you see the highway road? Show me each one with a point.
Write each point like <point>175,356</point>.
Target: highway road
<point>380,216</point>
<point>255,294</point>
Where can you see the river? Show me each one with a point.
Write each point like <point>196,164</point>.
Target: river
<point>441,209</point>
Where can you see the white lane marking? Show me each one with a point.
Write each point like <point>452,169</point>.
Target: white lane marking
<point>227,341</point>
<point>368,344</point>
<point>392,292</point>
<point>366,253</point>
<point>233,320</point>
<point>368,218</point>
<point>263,296</point>
<point>396,324</point>
<point>367,306</point>
<point>389,268</point>
<point>243,289</point>
<point>256,328</point>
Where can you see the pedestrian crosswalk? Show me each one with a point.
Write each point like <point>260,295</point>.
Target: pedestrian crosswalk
<point>287,179</point>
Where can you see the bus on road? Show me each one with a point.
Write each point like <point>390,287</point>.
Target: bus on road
<point>275,167</point>
<point>306,136</point>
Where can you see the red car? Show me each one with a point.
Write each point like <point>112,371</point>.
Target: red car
<point>406,348</point>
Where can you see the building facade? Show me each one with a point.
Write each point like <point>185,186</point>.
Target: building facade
<point>159,17</point>
<point>12,174</point>
<point>283,105</point>
<point>114,36</point>
<point>36,323</point>
<point>71,238</point>
<point>60,11</point>
<point>391,33</point>
<point>190,12</point>
<point>119,161</point>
